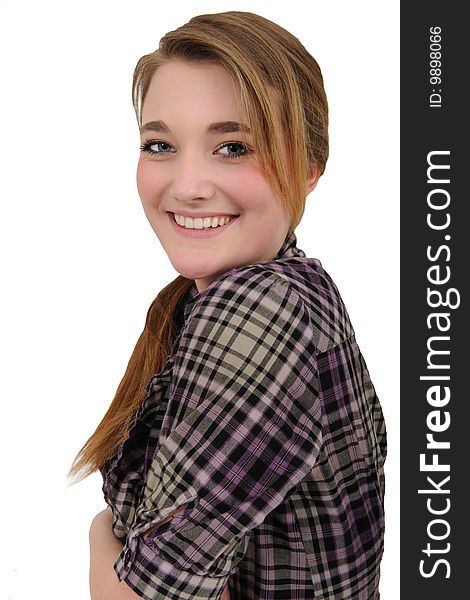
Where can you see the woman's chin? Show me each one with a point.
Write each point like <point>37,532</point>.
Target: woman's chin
<point>197,272</point>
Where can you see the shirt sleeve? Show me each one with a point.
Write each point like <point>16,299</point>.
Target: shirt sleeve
<point>247,430</point>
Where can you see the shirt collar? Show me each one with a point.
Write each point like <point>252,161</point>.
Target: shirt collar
<point>190,298</point>
<point>287,250</point>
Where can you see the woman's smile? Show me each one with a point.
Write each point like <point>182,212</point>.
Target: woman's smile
<point>201,227</point>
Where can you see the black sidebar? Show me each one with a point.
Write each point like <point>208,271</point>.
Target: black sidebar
<point>434,262</point>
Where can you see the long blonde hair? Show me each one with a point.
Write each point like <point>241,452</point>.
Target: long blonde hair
<point>290,134</point>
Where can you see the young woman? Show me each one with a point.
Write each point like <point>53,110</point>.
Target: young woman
<point>242,456</point>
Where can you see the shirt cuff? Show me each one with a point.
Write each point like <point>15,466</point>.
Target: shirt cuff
<point>150,576</point>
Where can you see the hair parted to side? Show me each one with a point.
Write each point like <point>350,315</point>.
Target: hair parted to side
<point>280,87</point>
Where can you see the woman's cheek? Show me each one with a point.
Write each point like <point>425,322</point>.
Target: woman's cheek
<point>148,181</point>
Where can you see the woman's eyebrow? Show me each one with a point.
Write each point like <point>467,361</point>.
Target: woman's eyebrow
<point>213,128</point>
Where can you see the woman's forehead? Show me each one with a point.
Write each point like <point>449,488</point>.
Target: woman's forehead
<point>183,94</point>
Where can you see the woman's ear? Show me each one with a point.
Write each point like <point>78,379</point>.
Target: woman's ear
<point>313,177</point>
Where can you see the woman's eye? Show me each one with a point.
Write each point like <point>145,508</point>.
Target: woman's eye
<point>230,146</point>
<point>150,146</point>
<point>234,149</point>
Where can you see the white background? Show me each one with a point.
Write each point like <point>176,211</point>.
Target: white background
<point>80,263</point>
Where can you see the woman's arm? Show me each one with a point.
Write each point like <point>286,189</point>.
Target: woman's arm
<point>104,550</point>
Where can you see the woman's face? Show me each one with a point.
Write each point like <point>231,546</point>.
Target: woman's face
<point>194,168</point>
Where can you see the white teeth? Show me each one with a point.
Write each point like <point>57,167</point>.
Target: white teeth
<point>200,223</point>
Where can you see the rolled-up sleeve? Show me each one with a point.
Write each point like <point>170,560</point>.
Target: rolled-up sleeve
<point>245,403</point>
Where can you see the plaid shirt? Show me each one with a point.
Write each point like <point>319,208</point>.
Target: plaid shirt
<point>265,425</point>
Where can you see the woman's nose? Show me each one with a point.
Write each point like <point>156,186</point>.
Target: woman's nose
<point>191,177</point>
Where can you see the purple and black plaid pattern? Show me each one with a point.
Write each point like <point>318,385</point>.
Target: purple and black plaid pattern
<point>265,425</point>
